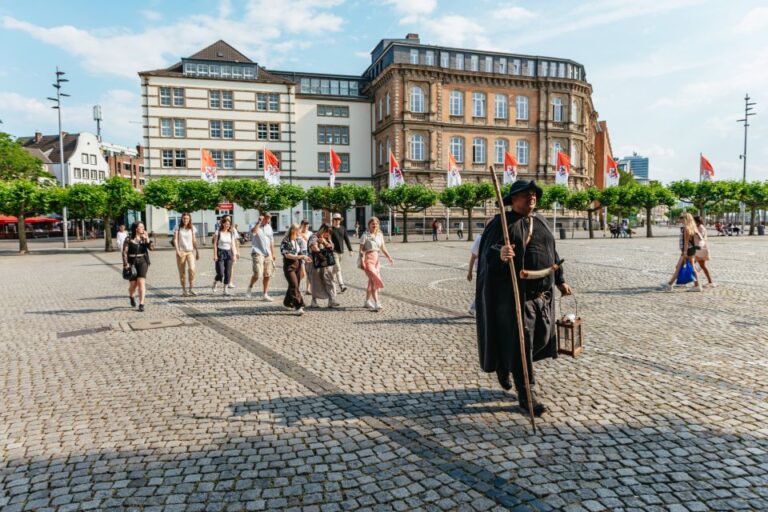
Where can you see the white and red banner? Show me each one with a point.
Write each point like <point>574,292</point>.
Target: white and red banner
<point>563,169</point>
<point>271,168</point>
<point>208,170</point>
<point>454,172</point>
<point>706,169</point>
<point>510,168</point>
<point>335,161</point>
<point>611,172</point>
<point>395,173</point>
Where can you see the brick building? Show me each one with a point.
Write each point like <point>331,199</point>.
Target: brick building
<point>125,162</point>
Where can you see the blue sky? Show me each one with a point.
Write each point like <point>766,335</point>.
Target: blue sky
<point>669,76</point>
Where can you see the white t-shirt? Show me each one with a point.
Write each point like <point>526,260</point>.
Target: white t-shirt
<point>475,249</point>
<point>226,240</point>
<point>185,240</point>
<point>121,236</point>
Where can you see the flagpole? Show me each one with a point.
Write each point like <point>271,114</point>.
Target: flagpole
<point>701,174</point>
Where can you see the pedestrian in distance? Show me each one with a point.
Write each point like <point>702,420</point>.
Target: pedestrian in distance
<point>434,230</point>
<point>339,237</point>
<point>304,234</point>
<point>357,229</point>
<point>185,242</point>
<point>688,248</point>
<point>539,271</point>
<point>225,251</point>
<point>321,273</point>
<point>122,234</point>
<point>460,230</point>
<point>136,254</point>
<point>239,237</point>
<point>702,251</point>
<point>292,264</point>
<point>371,244</point>
<point>262,255</point>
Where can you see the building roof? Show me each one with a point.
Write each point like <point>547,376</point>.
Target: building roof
<point>38,154</point>
<point>48,145</point>
<point>220,51</point>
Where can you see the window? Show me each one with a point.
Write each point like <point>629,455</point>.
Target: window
<point>94,174</point>
<point>515,70</point>
<point>457,149</point>
<point>214,99</point>
<point>574,111</point>
<point>165,128</point>
<point>543,68</point>
<point>274,102</point>
<point>553,69</point>
<point>261,102</point>
<point>445,59</point>
<point>474,63</point>
<point>522,108</point>
<point>335,87</point>
<point>478,150</point>
<point>556,148</point>
<point>102,175</point>
<point>381,153</point>
<point>557,114</point>
<point>216,155</point>
<point>332,111</point>
<point>167,158</point>
<point>304,88</point>
<point>499,148</point>
<point>489,64</point>
<point>381,109</point>
<point>417,99</point>
<point>226,71</point>
<point>261,131</point>
<point>229,160</point>
<point>93,159</point>
<point>344,88</point>
<point>456,106</point>
<point>181,158</point>
<point>227,101</point>
<point>78,174</point>
<point>179,128</point>
<point>500,103</point>
<point>215,129</point>
<point>478,104</point>
<point>561,70</point>
<point>502,65</point>
<point>574,154</point>
<point>84,158</point>
<point>389,149</point>
<point>228,129</point>
<point>237,72</point>
<point>333,135</point>
<point>202,70</point>
<point>126,167</point>
<point>269,102</point>
<point>387,105</point>
<point>521,148</point>
<point>430,58</point>
<point>460,61</point>
<point>325,87</point>
<point>165,96</point>
<point>414,56</point>
<point>178,97</point>
<point>215,70</point>
<point>417,147</point>
<point>274,131</point>
<point>324,162</point>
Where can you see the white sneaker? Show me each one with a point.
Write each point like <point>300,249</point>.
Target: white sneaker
<point>226,290</point>
<point>230,285</point>
<point>267,298</point>
<point>332,304</point>
<point>248,293</point>
<point>368,305</point>
<point>213,288</point>
<point>666,287</point>
<point>377,306</point>
<point>314,304</point>
<point>300,311</point>
<point>711,285</point>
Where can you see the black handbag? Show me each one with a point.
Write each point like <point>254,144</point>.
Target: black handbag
<point>129,274</point>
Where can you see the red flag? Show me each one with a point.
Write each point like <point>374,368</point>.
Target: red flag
<point>454,172</point>
<point>706,169</point>
<point>510,168</point>
<point>335,166</point>
<point>208,169</point>
<point>271,168</point>
<point>563,168</point>
<point>395,173</point>
<point>612,171</point>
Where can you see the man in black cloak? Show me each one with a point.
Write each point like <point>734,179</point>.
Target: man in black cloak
<point>533,249</point>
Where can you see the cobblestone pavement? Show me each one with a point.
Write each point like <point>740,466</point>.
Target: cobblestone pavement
<point>242,406</point>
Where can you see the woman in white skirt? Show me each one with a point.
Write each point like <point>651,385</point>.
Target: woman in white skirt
<point>702,253</point>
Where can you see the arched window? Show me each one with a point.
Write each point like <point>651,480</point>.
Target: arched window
<point>381,153</point>
<point>499,148</point>
<point>557,105</point>
<point>417,99</point>
<point>574,111</point>
<point>417,147</point>
<point>500,103</point>
<point>521,148</point>
<point>457,149</point>
<point>386,155</point>
<point>574,154</point>
<point>457,103</point>
<point>478,150</point>
<point>556,148</point>
<point>381,116</point>
<point>522,108</point>
<point>388,105</point>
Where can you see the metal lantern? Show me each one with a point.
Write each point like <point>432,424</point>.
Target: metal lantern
<point>569,333</point>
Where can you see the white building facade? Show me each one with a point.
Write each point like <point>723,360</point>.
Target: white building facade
<point>83,159</point>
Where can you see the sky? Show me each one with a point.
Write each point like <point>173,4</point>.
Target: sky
<point>668,76</point>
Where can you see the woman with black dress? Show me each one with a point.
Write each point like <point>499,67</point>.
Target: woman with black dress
<point>292,260</point>
<point>136,254</point>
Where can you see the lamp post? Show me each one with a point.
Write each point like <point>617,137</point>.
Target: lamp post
<point>747,112</point>
<point>64,171</point>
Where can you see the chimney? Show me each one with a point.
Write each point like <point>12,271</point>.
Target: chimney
<point>38,137</point>
<point>412,36</point>
<point>140,151</point>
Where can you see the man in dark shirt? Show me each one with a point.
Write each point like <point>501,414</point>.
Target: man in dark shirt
<point>339,237</point>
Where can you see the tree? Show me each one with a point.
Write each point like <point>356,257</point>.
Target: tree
<point>754,195</point>
<point>553,194</point>
<point>702,195</point>
<point>340,198</point>
<point>161,192</point>
<point>22,198</point>
<point>120,197</point>
<point>260,195</point>
<point>85,201</point>
<point>649,197</point>
<point>16,163</point>
<point>585,201</point>
<point>406,199</point>
<point>467,196</point>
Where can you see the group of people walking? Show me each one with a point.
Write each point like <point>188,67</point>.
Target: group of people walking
<point>694,250</point>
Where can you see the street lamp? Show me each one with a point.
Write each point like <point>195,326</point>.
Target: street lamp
<point>747,112</point>
<point>57,100</point>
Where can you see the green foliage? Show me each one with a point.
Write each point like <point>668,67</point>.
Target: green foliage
<point>120,197</point>
<point>195,195</point>
<point>16,163</point>
<point>405,199</point>
<point>340,198</point>
<point>22,198</point>
<point>285,195</point>
<point>86,201</point>
<point>259,195</point>
<point>467,196</point>
<point>648,197</point>
<point>553,194</point>
<point>626,178</point>
<point>161,192</point>
<point>675,213</point>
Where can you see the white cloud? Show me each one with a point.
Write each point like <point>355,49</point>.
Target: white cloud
<point>651,151</point>
<point>151,15</point>
<point>756,20</point>
<point>455,30</point>
<point>412,8</point>
<point>515,14</point>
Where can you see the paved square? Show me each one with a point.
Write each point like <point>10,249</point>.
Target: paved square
<point>242,406</point>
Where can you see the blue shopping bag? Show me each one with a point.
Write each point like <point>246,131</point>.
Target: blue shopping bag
<point>685,275</point>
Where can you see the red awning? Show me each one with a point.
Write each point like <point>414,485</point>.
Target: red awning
<point>9,219</point>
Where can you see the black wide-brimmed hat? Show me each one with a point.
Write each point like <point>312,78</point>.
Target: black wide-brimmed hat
<point>523,186</point>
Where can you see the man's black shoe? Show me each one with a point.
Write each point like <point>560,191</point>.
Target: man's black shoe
<point>538,408</point>
<point>503,376</point>
<point>141,308</point>
<point>133,302</point>
<point>343,289</point>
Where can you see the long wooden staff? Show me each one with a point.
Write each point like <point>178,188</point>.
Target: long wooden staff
<point>518,308</point>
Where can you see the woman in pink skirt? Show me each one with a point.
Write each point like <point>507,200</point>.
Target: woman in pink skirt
<point>371,244</point>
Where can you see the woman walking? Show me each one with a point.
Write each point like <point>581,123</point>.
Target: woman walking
<point>224,254</point>
<point>687,251</point>
<point>304,234</point>
<point>185,242</point>
<point>136,253</point>
<point>702,253</point>
<point>321,273</point>
<point>371,244</point>
<point>292,266</point>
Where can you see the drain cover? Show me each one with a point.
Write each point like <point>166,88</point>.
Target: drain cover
<point>143,325</point>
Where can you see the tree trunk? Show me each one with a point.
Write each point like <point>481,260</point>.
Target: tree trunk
<point>405,226</point>
<point>108,234</point>
<point>589,222</point>
<point>23,249</point>
<point>752,221</point>
<point>648,230</point>
<point>469,225</point>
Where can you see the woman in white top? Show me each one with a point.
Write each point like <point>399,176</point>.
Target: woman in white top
<point>225,249</point>
<point>185,242</point>
<point>371,243</point>
<point>702,251</point>
<point>304,234</point>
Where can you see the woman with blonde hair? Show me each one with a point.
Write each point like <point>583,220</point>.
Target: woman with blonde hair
<point>688,248</point>
<point>292,260</point>
<point>185,242</point>
<point>702,253</point>
<point>321,273</point>
<point>371,244</point>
